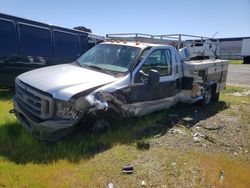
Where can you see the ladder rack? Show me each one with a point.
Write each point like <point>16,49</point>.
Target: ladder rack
<point>147,38</point>
<point>177,40</point>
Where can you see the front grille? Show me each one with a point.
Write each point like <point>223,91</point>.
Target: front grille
<point>34,101</point>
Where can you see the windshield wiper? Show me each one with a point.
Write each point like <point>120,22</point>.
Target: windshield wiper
<point>97,67</point>
<point>78,63</point>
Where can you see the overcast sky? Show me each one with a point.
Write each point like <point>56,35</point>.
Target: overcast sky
<point>197,17</point>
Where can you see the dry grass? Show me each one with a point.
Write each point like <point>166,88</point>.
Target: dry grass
<point>237,61</point>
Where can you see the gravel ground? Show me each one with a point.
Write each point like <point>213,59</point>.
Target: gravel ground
<point>219,131</point>
<point>238,75</point>
<point>224,131</point>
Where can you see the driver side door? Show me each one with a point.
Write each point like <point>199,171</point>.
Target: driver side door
<point>152,98</point>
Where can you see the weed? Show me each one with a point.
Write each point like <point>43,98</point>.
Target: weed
<point>236,61</point>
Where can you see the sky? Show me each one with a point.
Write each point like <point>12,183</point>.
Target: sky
<point>230,18</point>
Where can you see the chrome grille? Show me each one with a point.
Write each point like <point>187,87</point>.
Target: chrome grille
<point>37,103</point>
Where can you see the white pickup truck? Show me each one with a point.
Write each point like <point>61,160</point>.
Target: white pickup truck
<point>123,78</point>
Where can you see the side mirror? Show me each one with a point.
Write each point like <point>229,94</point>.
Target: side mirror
<point>141,77</point>
<point>153,78</point>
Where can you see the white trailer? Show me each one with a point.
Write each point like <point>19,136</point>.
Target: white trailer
<point>245,51</point>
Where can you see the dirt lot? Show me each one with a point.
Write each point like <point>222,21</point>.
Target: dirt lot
<point>220,133</point>
<point>238,75</point>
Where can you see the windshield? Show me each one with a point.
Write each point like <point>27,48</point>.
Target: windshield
<point>110,57</point>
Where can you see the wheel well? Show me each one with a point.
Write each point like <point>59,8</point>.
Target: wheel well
<point>212,85</point>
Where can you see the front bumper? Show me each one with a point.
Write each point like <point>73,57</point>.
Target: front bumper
<point>48,130</point>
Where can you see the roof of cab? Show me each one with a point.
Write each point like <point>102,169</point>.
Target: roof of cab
<point>133,43</point>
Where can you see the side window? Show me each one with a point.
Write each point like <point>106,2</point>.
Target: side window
<point>35,41</point>
<point>84,43</point>
<point>159,60</point>
<point>7,37</point>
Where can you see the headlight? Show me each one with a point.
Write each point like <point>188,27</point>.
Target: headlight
<point>96,99</point>
<point>81,104</point>
<point>66,110</point>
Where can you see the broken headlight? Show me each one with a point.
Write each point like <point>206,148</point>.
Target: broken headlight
<point>66,110</point>
<point>97,100</point>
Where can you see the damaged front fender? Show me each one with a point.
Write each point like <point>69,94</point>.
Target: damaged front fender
<point>97,100</point>
<point>103,100</point>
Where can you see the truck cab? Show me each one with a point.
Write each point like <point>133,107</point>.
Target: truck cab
<point>122,78</point>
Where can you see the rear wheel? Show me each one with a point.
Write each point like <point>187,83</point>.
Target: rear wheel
<point>216,97</point>
<point>207,95</point>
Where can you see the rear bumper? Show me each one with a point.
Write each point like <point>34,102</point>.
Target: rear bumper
<point>48,130</point>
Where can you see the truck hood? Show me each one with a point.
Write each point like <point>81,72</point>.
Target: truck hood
<point>64,81</point>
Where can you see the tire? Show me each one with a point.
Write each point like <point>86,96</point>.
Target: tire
<point>246,60</point>
<point>216,97</point>
<point>207,97</point>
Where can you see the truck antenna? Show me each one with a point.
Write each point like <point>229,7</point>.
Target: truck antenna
<point>215,34</point>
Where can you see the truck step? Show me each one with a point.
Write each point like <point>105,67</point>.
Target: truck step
<point>195,99</point>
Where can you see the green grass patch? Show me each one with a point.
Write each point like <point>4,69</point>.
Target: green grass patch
<point>19,146</point>
<point>233,89</point>
<point>228,95</point>
<point>237,61</point>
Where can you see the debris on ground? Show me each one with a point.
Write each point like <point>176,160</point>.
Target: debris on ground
<point>110,185</point>
<point>187,119</point>
<point>209,138</point>
<point>128,169</point>
<point>197,137</point>
<point>143,184</point>
<point>142,145</point>
<point>211,128</point>
<point>155,129</point>
<point>173,164</point>
<point>175,130</point>
<point>222,176</point>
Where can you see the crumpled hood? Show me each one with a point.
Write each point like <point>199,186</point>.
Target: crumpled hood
<point>64,81</point>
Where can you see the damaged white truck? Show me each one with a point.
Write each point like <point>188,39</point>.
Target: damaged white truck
<point>122,77</point>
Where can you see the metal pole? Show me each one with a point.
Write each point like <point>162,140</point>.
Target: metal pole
<point>179,42</point>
